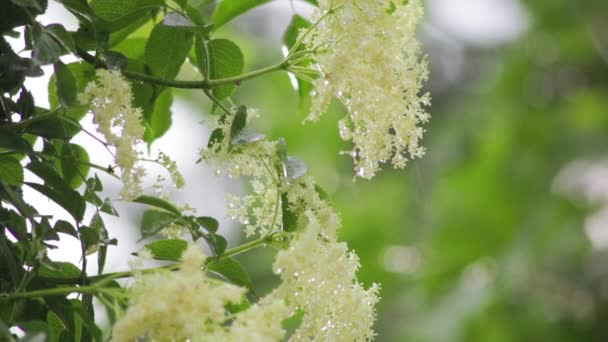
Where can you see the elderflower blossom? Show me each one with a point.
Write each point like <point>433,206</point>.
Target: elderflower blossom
<point>317,271</point>
<point>256,211</point>
<point>318,277</point>
<point>120,124</point>
<point>175,306</point>
<point>369,58</point>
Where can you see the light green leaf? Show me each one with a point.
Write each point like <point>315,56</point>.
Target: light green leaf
<point>73,164</point>
<point>225,60</point>
<point>171,250</point>
<point>11,171</point>
<point>159,119</point>
<point>230,9</point>
<point>158,203</point>
<point>167,49</point>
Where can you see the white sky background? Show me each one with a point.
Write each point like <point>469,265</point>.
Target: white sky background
<point>483,23</point>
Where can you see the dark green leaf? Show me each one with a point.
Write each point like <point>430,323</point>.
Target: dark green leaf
<point>290,217</point>
<point>12,141</point>
<point>229,9</point>
<point>108,208</point>
<point>59,33</point>
<point>65,227</point>
<point>35,4</point>
<point>66,84</point>
<point>25,104</point>
<point>153,221</point>
<point>167,249</point>
<point>216,137</point>
<point>158,203</point>
<point>53,127</point>
<point>46,49</point>
<point>209,223</point>
<point>90,238</point>
<point>239,122</point>
<point>216,242</point>
<point>69,200</point>
<point>167,49</point>
<point>11,171</point>
<point>231,270</point>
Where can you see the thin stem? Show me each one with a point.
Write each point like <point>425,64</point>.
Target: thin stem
<point>216,101</point>
<point>204,84</point>
<point>52,292</point>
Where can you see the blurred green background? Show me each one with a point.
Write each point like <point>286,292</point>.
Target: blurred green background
<point>481,240</point>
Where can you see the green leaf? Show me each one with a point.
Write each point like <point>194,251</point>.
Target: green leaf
<point>216,242</point>
<point>53,127</point>
<point>158,121</point>
<point>35,4</point>
<point>153,221</point>
<point>239,122</point>
<point>90,238</point>
<point>209,223</point>
<point>119,12</point>
<point>11,171</point>
<point>83,73</point>
<point>167,49</point>
<point>62,36</point>
<point>57,189</point>
<point>158,203</point>
<point>290,217</point>
<point>167,249</point>
<point>232,271</point>
<point>230,9</point>
<point>46,49</point>
<point>216,138</point>
<point>73,163</point>
<point>65,227</point>
<point>11,141</point>
<point>56,326</point>
<point>298,23</point>
<point>66,84</point>
<point>225,60</point>
<point>59,269</point>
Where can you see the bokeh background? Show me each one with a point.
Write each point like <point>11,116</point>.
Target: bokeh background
<point>500,233</point>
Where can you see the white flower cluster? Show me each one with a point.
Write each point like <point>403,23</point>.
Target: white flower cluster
<point>258,210</point>
<point>317,271</point>
<point>369,58</point>
<point>120,124</point>
<point>318,275</point>
<point>185,305</point>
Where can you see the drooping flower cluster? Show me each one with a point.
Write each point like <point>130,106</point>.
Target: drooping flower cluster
<point>187,305</point>
<point>318,275</point>
<point>120,124</point>
<point>317,271</point>
<point>369,59</point>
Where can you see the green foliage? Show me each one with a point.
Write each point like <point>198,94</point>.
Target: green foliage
<point>230,9</point>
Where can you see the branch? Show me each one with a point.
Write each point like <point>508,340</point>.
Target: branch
<point>204,84</point>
